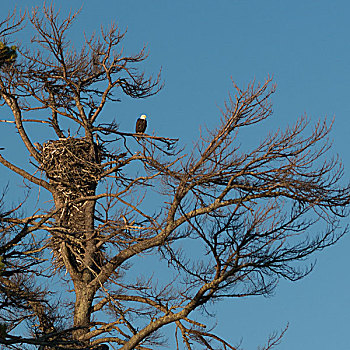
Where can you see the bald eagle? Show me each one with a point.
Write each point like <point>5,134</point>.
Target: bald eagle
<point>141,125</point>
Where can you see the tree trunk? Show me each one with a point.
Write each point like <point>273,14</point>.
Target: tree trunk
<point>82,310</point>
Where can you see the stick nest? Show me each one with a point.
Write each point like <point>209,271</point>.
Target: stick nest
<point>73,164</point>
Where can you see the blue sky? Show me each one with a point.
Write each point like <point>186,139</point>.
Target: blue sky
<point>200,45</point>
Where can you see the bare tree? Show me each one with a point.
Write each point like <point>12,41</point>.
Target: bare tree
<point>253,216</point>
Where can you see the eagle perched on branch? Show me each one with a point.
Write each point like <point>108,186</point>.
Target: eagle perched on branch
<point>141,125</point>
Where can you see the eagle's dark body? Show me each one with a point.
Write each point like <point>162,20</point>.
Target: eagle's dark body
<point>141,125</point>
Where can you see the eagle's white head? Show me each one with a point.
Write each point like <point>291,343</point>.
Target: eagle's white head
<point>143,116</point>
